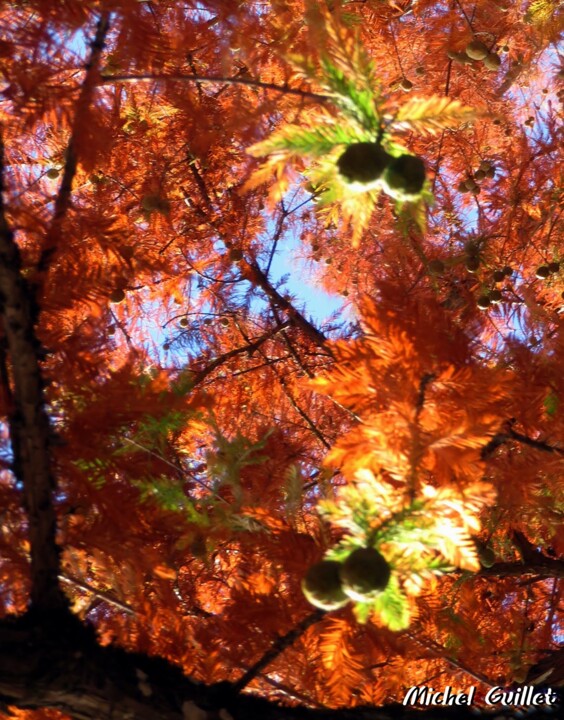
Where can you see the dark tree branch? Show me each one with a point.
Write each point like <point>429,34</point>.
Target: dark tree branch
<point>508,433</point>
<point>256,276</point>
<point>541,566</point>
<point>215,80</point>
<point>62,201</point>
<point>278,647</point>
<point>29,425</point>
<point>251,346</point>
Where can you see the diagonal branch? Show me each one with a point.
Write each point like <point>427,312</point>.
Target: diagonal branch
<point>255,275</point>
<point>508,433</point>
<point>278,647</point>
<point>28,421</point>
<point>201,375</point>
<point>62,201</point>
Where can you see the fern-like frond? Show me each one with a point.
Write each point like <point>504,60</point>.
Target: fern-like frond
<point>297,140</point>
<point>431,114</point>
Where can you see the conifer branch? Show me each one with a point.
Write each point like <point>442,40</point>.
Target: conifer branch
<point>201,375</point>
<point>63,199</point>
<point>256,275</point>
<point>510,434</point>
<point>214,80</point>
<point>541,566</point>
<point>279,645</point>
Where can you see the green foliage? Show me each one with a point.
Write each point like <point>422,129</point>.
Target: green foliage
<point>358,103</point>
<point>169,495</point>
<point>226,462</point>
<point>551,403</point>
<point>391,606</point>
<point>96,470</point>
<point>316,142</point>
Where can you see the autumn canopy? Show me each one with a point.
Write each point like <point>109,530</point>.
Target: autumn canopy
<point>281,357</point>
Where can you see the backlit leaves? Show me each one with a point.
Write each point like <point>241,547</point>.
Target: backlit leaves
<point>431,114</point>
<point>420,538</point>
<point>347,74</point>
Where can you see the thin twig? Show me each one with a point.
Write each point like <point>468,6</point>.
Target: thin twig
<point>97,593</point>
<point>280,644</point>
<point>201,375</point>
<point>212,79</point>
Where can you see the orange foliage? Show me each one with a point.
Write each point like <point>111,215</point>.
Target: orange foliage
<point>198,416</point>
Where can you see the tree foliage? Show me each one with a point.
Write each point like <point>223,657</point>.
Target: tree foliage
<point>184,436</point>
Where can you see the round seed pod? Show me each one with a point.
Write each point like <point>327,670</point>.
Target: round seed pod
<point>553,267</point>
<point>507,271</point>
<point>364,574</point>
<point>406,85</point>
<point>461,187</point>
<point>495,296</point>
<point>117,296</point>
<point>420,70</point>
<point>476,50</point>
<point>530,121</point>
<point>111,329</point>
<point>492,61</point>
<point>363,162</point>
<point>476,190</point>
<point>483,302</point>
<point>183,322</point>
<point>405,176</point>
<point>479,175</point>
<point>150,202</point>
<point>461,58</point>
<point>451,54</point>
<point>472,264</point>
<point>491,172</point>
<point>322,586</point>
<point>472,247</point>
<point>542,272</point>
<point>208,321</point>
<point>52,173</point>
<point>486,556</point>
<point>498,276</point>
<point>235,254</point>
<point>436,267</point>
<point>470,183</point>
<point>485,166</point>
<point>224,321</point>
<point>504,49</point>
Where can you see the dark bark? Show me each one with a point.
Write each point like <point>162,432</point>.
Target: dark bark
<point>50,660</point>
<point>28,422</point>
